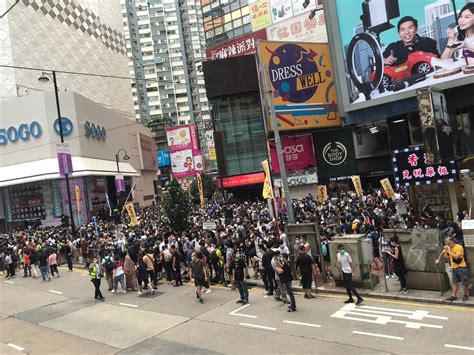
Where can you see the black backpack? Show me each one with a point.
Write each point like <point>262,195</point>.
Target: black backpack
<point>109,264</point>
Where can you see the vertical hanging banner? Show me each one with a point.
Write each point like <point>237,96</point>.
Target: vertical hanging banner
<point>267,184</point>
<point>131,213</point>
<point>322,193</point>
<point>301,82</point>
<point>201,189</point>
<point>78,198</point>
<point>387,187</point>
<point>119,183</point>
<point>357,185</point>
<point>428,125</point>
<point>64,158</point>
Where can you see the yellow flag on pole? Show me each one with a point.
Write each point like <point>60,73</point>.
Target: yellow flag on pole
<point>322,193</point>
<point>387,186</point>
<point>131,213</point>
<point>267,184</point>
<point>78,198</point>
<point>201,189</point>
<point>357,185</point>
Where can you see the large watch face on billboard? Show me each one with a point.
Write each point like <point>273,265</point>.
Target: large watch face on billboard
<point>397,46</point>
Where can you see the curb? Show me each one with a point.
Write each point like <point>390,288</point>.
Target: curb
<point>370,294</point>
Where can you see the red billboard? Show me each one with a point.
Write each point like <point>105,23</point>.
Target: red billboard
<point>242,45</point>
<point>298,153</point>
<point>242,180</point>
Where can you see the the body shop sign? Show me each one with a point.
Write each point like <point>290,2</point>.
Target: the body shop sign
<point>302,80</point>
<point>411,168</point>
<point>298,153</point>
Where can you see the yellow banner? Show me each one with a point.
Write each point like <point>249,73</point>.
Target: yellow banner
<point>322,193</point>
<point>201,189</point>
<point>267,184</point>
<point>300,77</point>
<point>78,198</point>
<point>357,185</point>
<point>131,213</point>
<point>387,187</point>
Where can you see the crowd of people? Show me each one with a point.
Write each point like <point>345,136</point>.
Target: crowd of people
<point>247,242</point>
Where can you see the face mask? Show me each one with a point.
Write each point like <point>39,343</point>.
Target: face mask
<point>342,251</point>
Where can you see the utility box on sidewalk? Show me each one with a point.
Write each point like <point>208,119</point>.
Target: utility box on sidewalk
<point>360,250</point>
<point>420,248</point>
<point>468,232</point>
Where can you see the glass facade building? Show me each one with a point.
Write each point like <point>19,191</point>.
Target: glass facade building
<point>239,118</point>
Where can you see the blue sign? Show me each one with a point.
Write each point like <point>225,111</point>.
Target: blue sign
<point>163,158</point>
<point>67,126</point>
<point>23,132</point>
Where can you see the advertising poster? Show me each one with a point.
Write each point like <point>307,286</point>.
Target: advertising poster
<point>280,10</point>
<point>65,200</point>
<point>182,163</point>
<point>402,45</point>
<point>64,158</point>
<point>298,6</point>
<point>298,153</point>
<point>179,137</point>
<point>147,152</point>
<point>163,157</point>
<point>368,144</point>
<point>260,16</point>
<point>410,168</point>
<point>300,29</point>
<point>428,126</point>
<point>446,128</point>
<point>302,81</point>
<point>335,155</point>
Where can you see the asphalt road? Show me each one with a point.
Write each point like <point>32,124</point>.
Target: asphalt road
<point>62,316</point>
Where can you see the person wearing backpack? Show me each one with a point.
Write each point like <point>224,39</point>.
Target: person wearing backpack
<point>168,259</point>
<point>109,266</point>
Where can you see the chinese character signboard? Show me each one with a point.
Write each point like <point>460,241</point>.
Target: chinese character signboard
<point>410,167</point>
<point>302,83</point>
<point>259,14</point>
<point>300,29</point>
<point>243,45</point>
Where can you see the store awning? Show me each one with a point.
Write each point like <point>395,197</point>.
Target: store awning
<point>47,169</point>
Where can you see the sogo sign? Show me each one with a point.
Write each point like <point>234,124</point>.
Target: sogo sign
<point>23,132</point>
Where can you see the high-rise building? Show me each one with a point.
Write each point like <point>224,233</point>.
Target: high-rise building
<point>165,47</point>
<point>65,35</point>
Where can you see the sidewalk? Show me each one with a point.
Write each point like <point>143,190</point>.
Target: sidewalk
<point>379,292</point>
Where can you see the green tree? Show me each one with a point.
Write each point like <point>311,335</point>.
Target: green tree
<point>209,186</point>
<point>176,206</point>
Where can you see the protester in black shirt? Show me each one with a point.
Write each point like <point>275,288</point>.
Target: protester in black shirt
<point>239,277</point>
<point>176,263</point>
<point>397,53</point>
<point>304,264</point>
<point>284,273</point>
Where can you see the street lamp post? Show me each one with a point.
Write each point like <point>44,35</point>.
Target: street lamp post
<point>45,78</point>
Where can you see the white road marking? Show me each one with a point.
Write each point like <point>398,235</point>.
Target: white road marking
<point>234,313</point>
<point>384,316</point>
<point>257,326</point>
<point>128,305</point>
<point>56,292</point>
<point>9,282</point>
<point>378,335</point>
<point>19,348</point>
<point>458,347</point>
<point>300,323</point>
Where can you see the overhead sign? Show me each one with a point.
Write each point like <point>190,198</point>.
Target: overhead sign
<point>411,168</point>
<point>298,153</point>
<point>242,180</point>
<point>243,45</point>
<point>302,83</point>
<point>163,157</point>
<point>402,56</point>
<point>334,154</point>
<point>300,28</point>
<point>23,132</point>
